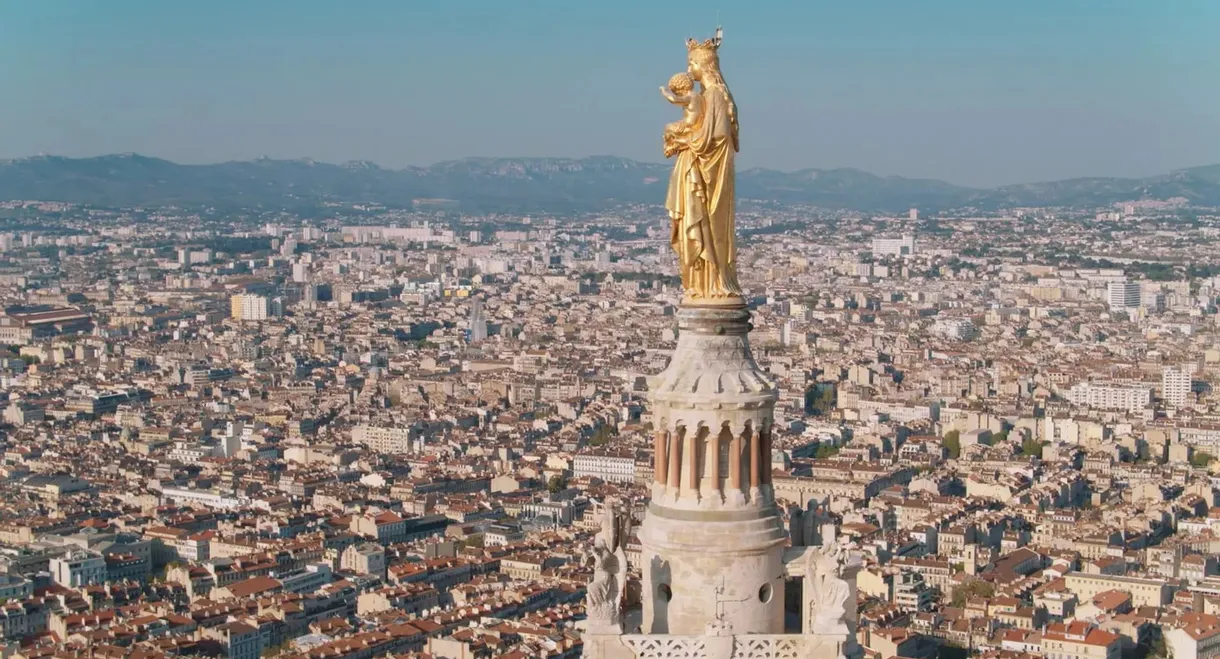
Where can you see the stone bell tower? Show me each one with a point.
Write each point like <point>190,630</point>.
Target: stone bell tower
<point>713,539</point>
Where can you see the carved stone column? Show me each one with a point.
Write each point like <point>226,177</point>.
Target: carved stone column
<point>690,460</point>
<point>735,463</point>
<point>659,467</point>
<point>674,482</point>
<point>755,454</point>
<point>766,456</point>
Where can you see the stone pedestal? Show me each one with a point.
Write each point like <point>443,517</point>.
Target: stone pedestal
<point>713,539</point>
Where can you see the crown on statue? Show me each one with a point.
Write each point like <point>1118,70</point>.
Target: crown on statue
<point>705,51</point>
<point>712,44</point>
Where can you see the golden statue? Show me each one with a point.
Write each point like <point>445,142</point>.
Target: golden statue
<point>701,198</point>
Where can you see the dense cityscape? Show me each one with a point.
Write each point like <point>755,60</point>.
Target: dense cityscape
<point>387,432</point>
<point>544,357</point>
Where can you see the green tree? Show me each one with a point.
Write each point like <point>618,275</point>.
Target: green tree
<point>826,451</point>
<point>953,443</point>
<point>1201,459</point>
<point>952,651</point>
<point>602,436</point>
<point>1157,649</point>
<point>477,541</point>
<point>971,589</point>
<point>1031,447</point>
<point>556,484</point>
<point>276,650</point>
<point>821,398</point>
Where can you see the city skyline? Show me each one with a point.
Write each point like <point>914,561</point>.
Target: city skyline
<point>975,96</point>
<point>542,405</point>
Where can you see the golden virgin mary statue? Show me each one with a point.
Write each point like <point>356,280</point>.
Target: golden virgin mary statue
<point>700,200</point>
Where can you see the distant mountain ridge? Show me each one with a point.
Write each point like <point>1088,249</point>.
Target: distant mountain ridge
<point>537,185</point>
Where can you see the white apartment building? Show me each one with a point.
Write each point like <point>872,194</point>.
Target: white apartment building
<point>307,579</point>
<point>1175,387</point>
<point>190,452</point>
<point>955,329</point>
<point>1123,295</point>
<point>899,411</point>
<point>1197,636</point>
<point>610,468</point>
<point>364,558</point>
<point>200,497</point>
<point>904,246</point>
<point>249,307</point>
<point>499,535</point>
<point>384,439</point>
<point>1201,436</point>
<point>188,256</point>
<point>1110,396</point>
<point>79,568</point>
<point>911,593</point>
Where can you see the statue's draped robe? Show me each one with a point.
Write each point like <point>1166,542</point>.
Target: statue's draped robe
<point>700,201</point>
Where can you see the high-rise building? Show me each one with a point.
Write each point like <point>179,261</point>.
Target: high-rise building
<point>478,321</point>
<point>1175,387</point>
<point>904,246</point>
<point>300,272</point>
<point>1123,295</point>
<point>188,256</point>
<point>249,307</point>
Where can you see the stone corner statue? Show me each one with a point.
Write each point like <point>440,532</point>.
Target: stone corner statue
<point>701,200</point>
<point>605,593</point>
<point>827,569</point>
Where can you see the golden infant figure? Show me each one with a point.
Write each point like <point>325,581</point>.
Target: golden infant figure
<point>681,92</point>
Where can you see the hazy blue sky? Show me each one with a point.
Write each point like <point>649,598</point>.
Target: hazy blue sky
<point>973,91</point>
